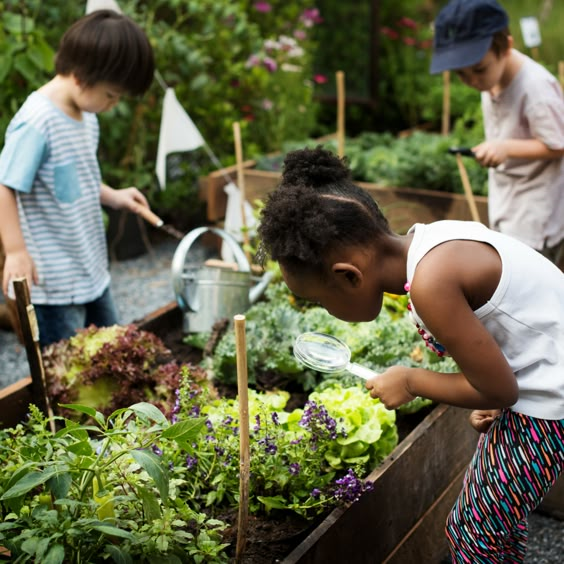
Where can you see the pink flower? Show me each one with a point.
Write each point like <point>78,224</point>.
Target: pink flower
<point>409,41</point>
<point>300,34</point>
<point>310,17</point>
<point>319,79</point>
<point>263,7</point>
<point>269,64</point>
<point>388,32</point>
<point>253,61</point>
<point>408,22</point>
<point>267,104</point>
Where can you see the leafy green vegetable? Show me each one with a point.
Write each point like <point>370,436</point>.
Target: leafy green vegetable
<point>370,433</point>
<point>274,324</point>
<point>110,367</point>
<point>420,160</point>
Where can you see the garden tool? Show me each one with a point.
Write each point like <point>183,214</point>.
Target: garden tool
<point>458,152</point>
<point>157,222</point>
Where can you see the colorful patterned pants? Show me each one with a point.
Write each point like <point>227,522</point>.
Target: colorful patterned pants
<point>515,464</point>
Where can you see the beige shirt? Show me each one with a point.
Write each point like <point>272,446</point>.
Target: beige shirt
<point>526,197</point>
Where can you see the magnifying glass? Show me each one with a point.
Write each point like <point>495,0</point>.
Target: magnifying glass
<point>328,354</point>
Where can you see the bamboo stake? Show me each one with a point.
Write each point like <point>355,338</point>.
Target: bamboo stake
<point>340,113</point>
<point>445,128</point>
<point>244,449</point>
<point>241,183</point>
<point>561,73</point>
<point>30,336</point>
<point>467,188</point>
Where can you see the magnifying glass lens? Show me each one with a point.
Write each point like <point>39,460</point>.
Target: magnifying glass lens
<point>322,352</point>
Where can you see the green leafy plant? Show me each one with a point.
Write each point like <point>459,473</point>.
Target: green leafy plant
<point>109,367</point>
<point>420,160</point>
<point>289,455</point>
<point>99,492</point>
<point>281,70</point>
<point>26,58</point>
<point>272,326</point>
<point>369,430</point>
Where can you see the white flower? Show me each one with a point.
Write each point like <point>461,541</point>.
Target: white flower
<point>287,67</point>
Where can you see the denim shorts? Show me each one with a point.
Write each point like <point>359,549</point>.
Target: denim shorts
<point>58,322</point>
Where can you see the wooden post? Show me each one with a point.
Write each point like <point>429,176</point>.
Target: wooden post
<point>445,128</point>
<point>561,73</point>
<point>244,449</point>
<point>241,182</point>
<point>340,113</point>
<point>30,335</point>
<point>467,188</point>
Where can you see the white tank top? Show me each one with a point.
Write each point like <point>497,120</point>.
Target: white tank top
<point>525,315</point>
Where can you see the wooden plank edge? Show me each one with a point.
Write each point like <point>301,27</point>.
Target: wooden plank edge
<point>416,544</point>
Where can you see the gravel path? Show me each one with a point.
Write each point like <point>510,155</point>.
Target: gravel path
<point>143,284</point>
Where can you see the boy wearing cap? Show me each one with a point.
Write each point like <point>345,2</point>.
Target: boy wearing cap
<point>523,109</point>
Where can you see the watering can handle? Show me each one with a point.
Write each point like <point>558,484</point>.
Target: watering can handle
<point>183,249</point>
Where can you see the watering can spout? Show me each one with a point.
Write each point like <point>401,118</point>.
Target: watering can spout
<point>258,289</point>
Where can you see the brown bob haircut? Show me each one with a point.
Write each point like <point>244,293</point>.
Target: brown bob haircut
<point>105,46</point>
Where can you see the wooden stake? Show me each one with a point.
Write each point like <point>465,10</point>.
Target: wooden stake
<point>535,53</point>
<point>244,449</point>
<point>445,128</point>
<point>561,73</point>
<point>241,182</point>
<point>340,113</point>
<point>467,188</point>
<point>30,335</point>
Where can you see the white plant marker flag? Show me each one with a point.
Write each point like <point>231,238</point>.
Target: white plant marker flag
<point>178,133</point>
<point>93,5</point>
<point>234,220</point>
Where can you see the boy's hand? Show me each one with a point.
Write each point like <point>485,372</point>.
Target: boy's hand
<point>481,419</point>
<point>491,153</point>
<point>391,387</point>
<point>19,265</point>
<point>130,199</point>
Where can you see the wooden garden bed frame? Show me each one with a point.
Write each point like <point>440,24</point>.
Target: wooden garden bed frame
<point>402,206</point>
<point>402,519</point>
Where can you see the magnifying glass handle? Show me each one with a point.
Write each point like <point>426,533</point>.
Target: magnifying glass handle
<point>361,371</point>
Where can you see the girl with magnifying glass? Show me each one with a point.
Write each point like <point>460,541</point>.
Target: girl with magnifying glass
<point>491,302</point>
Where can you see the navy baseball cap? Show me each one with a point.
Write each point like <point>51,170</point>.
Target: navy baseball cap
<point>463,33</point>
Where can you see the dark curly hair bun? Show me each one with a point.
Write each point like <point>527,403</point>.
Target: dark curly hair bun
<point>314,167</point>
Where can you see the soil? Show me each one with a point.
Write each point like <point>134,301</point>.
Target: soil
<point>268,540</point>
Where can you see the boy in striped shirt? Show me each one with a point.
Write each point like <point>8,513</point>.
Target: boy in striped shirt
<point>51,188</point>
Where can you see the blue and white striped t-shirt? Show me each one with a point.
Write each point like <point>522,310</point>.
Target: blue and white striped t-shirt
<point>49,159</point>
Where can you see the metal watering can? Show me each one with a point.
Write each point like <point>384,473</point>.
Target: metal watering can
<point>208,293</point>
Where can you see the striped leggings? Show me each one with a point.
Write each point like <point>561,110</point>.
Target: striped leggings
<point>515,464</point>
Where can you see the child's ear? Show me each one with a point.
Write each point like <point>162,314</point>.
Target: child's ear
<point>76,80</point>
<point>348,274</point>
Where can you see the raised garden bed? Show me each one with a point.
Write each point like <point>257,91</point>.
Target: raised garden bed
<point>400,520</point>
<point>403,206</point>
